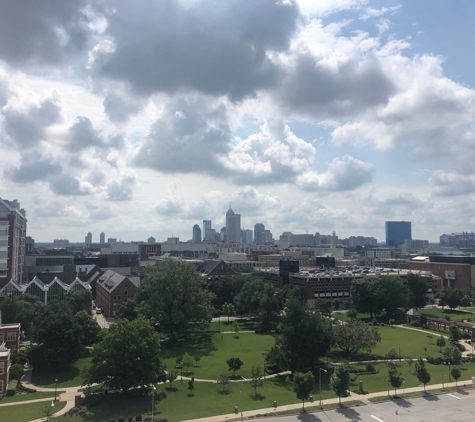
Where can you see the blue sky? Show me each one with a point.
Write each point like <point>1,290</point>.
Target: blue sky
<point>306,116</point>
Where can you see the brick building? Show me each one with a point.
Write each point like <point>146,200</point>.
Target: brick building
<point>9,340</point>
<point>112,290</point>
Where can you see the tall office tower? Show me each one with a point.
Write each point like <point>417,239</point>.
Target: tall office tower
<point>88,239</point>
<point>258,229</point>
<point>318,239</point>
<point>12,241</point>
<point>222,234</point>
<point>206,227</point>
<point>246,235</point>
<point>333,241</point>
<point>266,238</point>
<point>196,234</point>
<point>233,227</point>
<point>397,232</point>
<point>102,238</point>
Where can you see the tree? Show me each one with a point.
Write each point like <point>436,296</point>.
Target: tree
<point>452,354</point>
<point>355,336</point>
<point>396,294</point>
<point>190,386</point>
<point>47,413</point>
<point>449,297</point>
<point>410,362</point>
<point>324,306</point>
<point>58,336</point>
<point>127,356</point>
<point>304,338</point>
<point>234,364</point>
<point>172,376</point>
<point>17,371</point>
<point>256,378</point>
<point>79,301</point>
<point>90,327</point>
<point>236,329</point>
<point>188,361</point>
<point>227,288</point>
<point>173,296</point>
<point>367,296</point>
<point>440,342</point>
<point>228,310</point>
<point>223,379</point>
<point>263,301</point>
<point>394,377</point>
<point>20,310</point>
<point>340,381</point>
<point>418,291</point>
<point>455,335</point>
<point>128,310</point>
<point>336,304</point>
<point>352,313</point>
<point>302,385</point>
<point>422,373</point>
<point>455,372</point>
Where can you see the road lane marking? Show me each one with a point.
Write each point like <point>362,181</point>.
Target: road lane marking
<point>379,420</point>
<point>455,397</point>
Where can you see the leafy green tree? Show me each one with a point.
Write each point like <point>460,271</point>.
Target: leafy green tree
<point>455,335</point>
<point>340,381</point>
<point>449,297</point>
<point>367,296</point>
<point>336,304</point>
<point>223,379</point>
<point>234,364</point>
<point>173,296</point>
<point>456,373</point>
<point>172,376</point>
<point>90,327</point>
<point>394,377</point>
<point>79,301</point>
<point>440,342</point>
<point>263,301</point>
<point>452,354</point>
<point>352,313</point>
<point>16,371</point>
<point>355,336</point>
<point>188,361</point>
<point>127,356</point>
<point>227,288</point>
<point>256,378</point>
<point>418,291</point>
<point>58,336</point>
<point>228,310</point>
<point>236,329</point>
<point>128,310</point>
<point>47,413</point>
<point>324,306</point>
<point>302,385</point>
<point>422,373</point>
<point>304,338</point>
<point>396,294</point>
<point>21,310</point>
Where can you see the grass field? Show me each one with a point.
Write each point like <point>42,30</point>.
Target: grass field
<point>455,315</point>
<point>70,377</point>
<point>26,412</point>
<point>28,396</point>
<point>244,325</point>
<point>214,350</point>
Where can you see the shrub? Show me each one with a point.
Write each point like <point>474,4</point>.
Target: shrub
<point>16,371</point>
<point>370,367</point>
<point>461,347</point>
<point>466,336</point>
<point>112,420</point>
<point>120,419</point>
<point>434,361</point>
<point>21,387</point>
<point>414,324</point>
<point>392,354</point>
<point>138,418</point>
<point>11,389</point>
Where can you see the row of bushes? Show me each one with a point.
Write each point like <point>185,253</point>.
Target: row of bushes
<point>139,418</point>
<point>11,389</point>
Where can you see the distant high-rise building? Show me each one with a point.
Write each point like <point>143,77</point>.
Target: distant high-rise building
<point>12,241</point>
<point>246,235</point>
<point>112,240</point>
<point>196,234</point>
<point>151,240</point>
<point>397,232</point>
<point>61,243</point>
<point>102,238</point>
<point>258,229</point>
<point>222,234</point>
<point>265,238</point>
<point>233,227</point>
<point>206,227</point>
<point>88,239</point>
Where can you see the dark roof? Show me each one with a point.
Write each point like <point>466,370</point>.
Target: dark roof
<point>110,280</point>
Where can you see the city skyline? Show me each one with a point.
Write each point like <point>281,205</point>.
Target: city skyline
<point>306,116</point>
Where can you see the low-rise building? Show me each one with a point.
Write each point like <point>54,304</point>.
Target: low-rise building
<point>112,290</point>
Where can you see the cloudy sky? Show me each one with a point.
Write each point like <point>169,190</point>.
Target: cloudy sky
<point>143,118</point>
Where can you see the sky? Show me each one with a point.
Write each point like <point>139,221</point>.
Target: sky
<point>144,118</point>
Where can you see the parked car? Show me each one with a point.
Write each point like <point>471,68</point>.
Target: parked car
<point>98,311</point>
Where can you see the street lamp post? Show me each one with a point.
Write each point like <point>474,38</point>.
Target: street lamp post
<point>55,388</point>
<point>449,372</point>
<point>242,403</point>
<point>153,400</point>
<point>320,383</point>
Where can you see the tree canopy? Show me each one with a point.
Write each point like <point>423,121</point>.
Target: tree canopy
<point>418,291</point>
<point>304,338</point>
<point>79,301</point>
<point>450,297</point>
<point>340,381</point>
<point>173,296</point>
<point>302,385</point>
<point>126,357</point>
<point>17,310</point>
<point>355,336</point>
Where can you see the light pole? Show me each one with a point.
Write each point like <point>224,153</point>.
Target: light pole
<point>320,383</point>
<point>449,372</point>
<point>153,399</point>
<point>242,403</point>
<point>399,352</point>
<point>55,388</point>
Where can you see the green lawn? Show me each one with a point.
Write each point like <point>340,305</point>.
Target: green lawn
<point>244,325</point>
<point>215,350</point>
<point>441,313</point>
<point>412,345</point>
<point>207,401</point>
<point>29,396</point>
<point>70,377</point>
<point>26,412</point>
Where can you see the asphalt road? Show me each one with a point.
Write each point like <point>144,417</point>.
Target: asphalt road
<point>454,407</point>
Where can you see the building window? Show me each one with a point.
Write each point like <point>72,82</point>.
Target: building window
<point>126,292</point>
<point>115,297</point>
<point>1,338</point>
<point>118,297</point>
<point>1,385</point>
<point>11,336</point>
<point>2,368</point>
